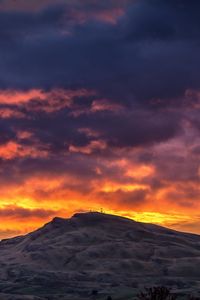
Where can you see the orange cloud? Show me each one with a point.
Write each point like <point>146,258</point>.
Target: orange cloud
<point>19,97</point>
<point>104,104</point>
<point>52,100</point>
<point>12,150</point>
<point>140,171</point>
<point>90,148</point>
<point>11,113</point>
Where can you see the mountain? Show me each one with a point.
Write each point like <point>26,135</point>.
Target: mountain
<point>69,258</point>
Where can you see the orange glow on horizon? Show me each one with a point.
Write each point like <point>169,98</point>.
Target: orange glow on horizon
<point>112,187</point>
<point>53,198</point>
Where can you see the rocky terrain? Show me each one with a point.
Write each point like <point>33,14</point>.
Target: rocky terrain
<point>69,258</point>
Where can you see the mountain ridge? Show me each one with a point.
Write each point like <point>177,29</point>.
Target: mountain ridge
<point>101,217</point>
<point>99,251</point>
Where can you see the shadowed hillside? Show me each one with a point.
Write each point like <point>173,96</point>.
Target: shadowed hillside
<point>94,251</point>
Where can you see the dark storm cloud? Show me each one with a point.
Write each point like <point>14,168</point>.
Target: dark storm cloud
<point>6,132</point>
<point>154,44</point>
<point>136,128</point>
<point>20,212</point>
<point>25,24</point>
<point>87,5</point>
<point>56,131</point>
<point>129,199</point>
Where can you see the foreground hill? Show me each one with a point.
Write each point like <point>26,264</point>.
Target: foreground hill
<point>68,258</point>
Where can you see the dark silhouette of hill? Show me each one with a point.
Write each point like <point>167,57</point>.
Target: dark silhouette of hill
<point>95,251</point>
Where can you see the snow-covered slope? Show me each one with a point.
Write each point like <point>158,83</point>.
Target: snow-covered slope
<point>90,251</point>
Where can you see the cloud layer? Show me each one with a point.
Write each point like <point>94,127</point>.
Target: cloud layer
<point>99,108</point>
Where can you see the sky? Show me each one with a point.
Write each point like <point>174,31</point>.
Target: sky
<point>99,110</point>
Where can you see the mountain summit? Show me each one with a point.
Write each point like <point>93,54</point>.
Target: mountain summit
<point>95,251</point>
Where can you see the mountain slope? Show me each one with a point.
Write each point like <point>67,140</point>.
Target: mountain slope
<point>98,251</point>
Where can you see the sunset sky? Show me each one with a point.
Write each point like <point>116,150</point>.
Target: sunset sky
<point>99,109</point>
